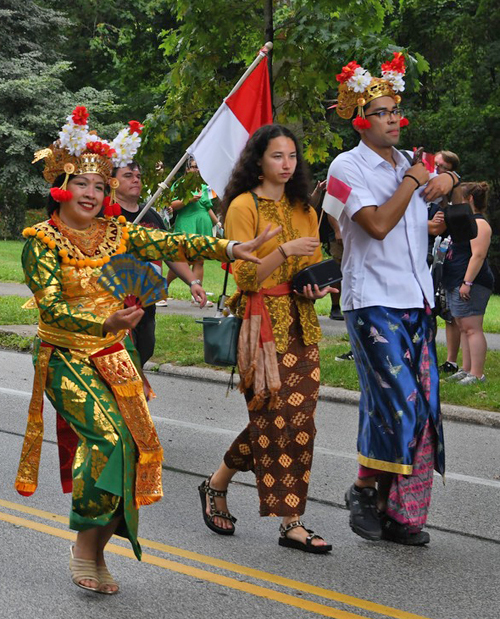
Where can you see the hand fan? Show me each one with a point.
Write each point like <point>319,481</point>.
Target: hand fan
<point>124,275</point>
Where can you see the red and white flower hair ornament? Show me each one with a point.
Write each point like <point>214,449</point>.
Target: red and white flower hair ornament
<point>126,144</point>
<point>394,71</point>
<point>80,151</point>
<point>357,87</point>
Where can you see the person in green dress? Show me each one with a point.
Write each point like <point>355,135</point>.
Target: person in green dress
<point>196,217</point>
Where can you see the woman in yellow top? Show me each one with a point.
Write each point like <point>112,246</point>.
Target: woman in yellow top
<point>110,455</point>
<point>278,356</point>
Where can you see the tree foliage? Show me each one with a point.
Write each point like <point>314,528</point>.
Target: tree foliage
<point>116,45</point>
<point>457,107</point>
<point>214,42</point>
<point>34,102</point>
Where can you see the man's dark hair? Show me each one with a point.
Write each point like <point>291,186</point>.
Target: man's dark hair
<point>133,165</point>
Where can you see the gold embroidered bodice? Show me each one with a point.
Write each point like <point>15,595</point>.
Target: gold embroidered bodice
<point>73,306</point>
<point>244,221</point>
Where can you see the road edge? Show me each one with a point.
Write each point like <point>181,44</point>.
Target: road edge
<point>450,412</point>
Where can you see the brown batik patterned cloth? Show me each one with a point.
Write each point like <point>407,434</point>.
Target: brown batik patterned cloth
<point>278,444</point>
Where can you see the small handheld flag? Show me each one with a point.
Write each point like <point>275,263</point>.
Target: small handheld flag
<point>336,196</point>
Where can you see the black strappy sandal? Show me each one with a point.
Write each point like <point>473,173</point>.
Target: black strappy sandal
<point>284,540</point>
<point>206,491</point>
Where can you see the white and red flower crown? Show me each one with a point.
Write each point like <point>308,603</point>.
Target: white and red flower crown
<point>357,87</point>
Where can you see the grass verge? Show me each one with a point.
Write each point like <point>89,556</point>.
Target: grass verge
<point>179,341</point>
<point>11,341</point>
<point>12,313</point>
<point>11,271</point>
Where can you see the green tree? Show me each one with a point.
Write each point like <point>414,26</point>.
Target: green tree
<point>116,45</point>
<point>457,107</point>
<point>213,43</point>
<point>34,103</point>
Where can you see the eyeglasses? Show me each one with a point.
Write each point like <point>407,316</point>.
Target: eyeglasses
<point>443,166</point>
<point>382,114</point>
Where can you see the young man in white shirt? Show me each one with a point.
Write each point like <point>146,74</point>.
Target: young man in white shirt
<point>387,294</point>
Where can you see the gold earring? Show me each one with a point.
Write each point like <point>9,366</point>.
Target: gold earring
<point>261,177</point>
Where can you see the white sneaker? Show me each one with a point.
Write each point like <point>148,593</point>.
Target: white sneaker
<point>460,375</point>
<point>472,380</point>
<point>162,303</point>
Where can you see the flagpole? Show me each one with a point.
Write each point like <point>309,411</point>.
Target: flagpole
<point>262,54</point>
<point>165,184</point>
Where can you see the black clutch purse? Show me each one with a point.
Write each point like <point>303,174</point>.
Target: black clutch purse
<point>323,274</point>
<point>460,222</point>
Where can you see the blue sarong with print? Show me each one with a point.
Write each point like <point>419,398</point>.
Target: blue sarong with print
<point>396,361</point>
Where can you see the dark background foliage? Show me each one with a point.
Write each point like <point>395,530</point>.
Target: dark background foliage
<point>171,62</point>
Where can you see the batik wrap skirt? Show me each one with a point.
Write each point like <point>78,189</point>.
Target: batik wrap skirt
<point>277,445</point>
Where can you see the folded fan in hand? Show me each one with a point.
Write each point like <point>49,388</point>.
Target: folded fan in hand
<point>124,275</point>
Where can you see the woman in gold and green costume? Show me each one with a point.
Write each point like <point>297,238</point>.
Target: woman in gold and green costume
<point>110,455</point>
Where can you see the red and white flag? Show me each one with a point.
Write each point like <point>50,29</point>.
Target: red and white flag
<point>218,147</point>
<point>336,196</point>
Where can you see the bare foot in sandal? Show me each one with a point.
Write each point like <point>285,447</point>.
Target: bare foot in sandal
<point>83,571</point>
<point>293,534</point>
<point>214,504</point>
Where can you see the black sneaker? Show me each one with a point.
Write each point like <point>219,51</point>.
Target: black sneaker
<point>347,356</point>
<point>448,368</point>
<point>336,313</point>
<point>364,518</point>
<point>393,531</point>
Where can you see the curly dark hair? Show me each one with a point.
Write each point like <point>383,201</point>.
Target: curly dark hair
<point>245,174</point>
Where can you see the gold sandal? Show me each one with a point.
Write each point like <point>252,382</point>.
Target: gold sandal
<point>83,569</point>
<point>105,579</point>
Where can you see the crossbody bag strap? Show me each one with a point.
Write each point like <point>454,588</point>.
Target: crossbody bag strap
<point>407,156</point>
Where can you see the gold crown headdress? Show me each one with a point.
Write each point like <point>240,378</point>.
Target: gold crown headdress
<point>358,87</point>
<point>80,151</point>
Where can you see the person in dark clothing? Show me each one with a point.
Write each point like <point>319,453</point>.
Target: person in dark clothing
<point>128,194</point>
<point>445,162</point>
<point>468,280</point>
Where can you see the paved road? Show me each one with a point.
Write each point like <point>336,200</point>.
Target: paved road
<point>189,572</point>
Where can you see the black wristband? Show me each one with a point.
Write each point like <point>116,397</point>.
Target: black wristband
<point>412,177</point>
<point>455,184</point>
<point>282,252</point>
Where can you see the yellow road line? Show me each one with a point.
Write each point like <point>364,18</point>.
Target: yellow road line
<point>358,603</point>
<point>194,572</point>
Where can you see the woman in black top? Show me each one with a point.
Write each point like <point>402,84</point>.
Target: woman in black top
<point>468,280</point>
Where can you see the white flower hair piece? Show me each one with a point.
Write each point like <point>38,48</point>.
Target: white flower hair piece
<point>126,145</point>
<point>74,137</point>
<point>360,80</point>
<point>396,80</point>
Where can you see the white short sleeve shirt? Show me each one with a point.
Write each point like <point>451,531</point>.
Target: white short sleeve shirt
<point>392,272</point>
